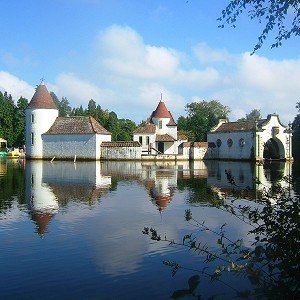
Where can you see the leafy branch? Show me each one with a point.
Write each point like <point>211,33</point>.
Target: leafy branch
<point>273,260</point>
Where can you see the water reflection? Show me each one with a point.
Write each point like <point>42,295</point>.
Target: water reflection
<point>50,186</point>
<point>91,215</point>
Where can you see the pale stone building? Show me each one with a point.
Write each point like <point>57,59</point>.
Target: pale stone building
<point>249,140</point>
<point>159,134</point>
<point>50,136</point>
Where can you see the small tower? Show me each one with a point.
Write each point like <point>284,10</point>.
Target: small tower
<point>163,120</point>
<point>40,115</point>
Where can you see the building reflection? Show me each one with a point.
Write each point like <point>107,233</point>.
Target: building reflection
<point>50,186</point>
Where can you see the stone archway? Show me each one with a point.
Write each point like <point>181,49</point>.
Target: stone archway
<point>273,149</point>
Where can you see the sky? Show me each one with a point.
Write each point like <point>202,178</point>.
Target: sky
<point>127,55</point>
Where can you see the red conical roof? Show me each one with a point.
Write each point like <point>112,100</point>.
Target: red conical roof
<point>161,111</point>
<point>42,98</point>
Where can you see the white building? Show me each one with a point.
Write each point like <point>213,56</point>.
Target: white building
<point>49,136</point>
<point>40,115</point>
<point>159,134</point>
<point>249,140</point>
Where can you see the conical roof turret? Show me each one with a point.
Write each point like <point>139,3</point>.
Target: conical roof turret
<point>161,111</point>
<point>42,98</point>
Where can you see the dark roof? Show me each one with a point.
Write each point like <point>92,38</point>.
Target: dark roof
<point>120,144</point>
<point>147,128</point>
<point>186,144</point>
<point>161,111</point>
<point>236,126</point>
<point>181,137</point>
<point>76,125</point>
<point>42,98</point>
<point>171,122</point>
<point>200,144</point>
<point>164,138</point>
<point>239,126</point>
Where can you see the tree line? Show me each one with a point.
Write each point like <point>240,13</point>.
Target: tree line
<point>200,117</point>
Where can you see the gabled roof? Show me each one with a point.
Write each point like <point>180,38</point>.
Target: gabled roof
<point>240,126</point>
<point>164,138</point>
<point>76,125</point>
<point>42,98</point>
<point>148,128</point>
<point>182,137</point>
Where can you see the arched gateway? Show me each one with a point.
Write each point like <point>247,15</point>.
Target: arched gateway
<point>248,140</point>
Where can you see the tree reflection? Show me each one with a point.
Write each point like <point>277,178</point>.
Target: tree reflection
<point>270,263</point>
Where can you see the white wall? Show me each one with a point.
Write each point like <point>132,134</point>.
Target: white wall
<point>83,146</point>
<point>42,121</point>
<point>236,151</point>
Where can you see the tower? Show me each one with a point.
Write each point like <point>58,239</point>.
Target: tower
<point>40,115</point>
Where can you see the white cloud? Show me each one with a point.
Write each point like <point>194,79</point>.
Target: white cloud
<point>206,54</point>
<point>78,90</point>
<point>123,52</point>
<point>127,75</point>
<point>15,86</point>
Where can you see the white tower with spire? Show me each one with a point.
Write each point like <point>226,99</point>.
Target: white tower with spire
<point>40,115</point>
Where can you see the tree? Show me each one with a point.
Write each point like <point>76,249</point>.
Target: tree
<point>78,111</point>
<point>202,117</point>
<point>112,125</point>
<point>63,106</point>
<point>126,130</point>
<point>275,14</point>
<point>19,122</point>
<point>254,115</point>
<point>7,118</point>
<point>271,263</point>
<point>92,110</point>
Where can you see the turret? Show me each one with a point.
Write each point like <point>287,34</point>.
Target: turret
<point>40,115</point>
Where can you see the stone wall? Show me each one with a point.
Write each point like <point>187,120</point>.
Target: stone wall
<point>121,151</point>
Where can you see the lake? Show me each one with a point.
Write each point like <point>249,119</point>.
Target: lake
<point>74,230</point>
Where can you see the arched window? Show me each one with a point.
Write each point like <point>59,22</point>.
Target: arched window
<point>229,142</point>
<point>219,143</point>
<point>242,142</point>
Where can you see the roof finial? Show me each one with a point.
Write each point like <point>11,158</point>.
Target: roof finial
<point>161,97</point>
<point>42,81</point>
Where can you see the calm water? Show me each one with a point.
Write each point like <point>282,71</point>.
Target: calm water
<point>74,231</point>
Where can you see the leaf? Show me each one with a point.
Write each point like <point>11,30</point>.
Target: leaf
<point>194,282</point>
<point>180,294</point>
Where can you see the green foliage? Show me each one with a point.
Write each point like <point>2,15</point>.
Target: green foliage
<point>12,186</point>
<point>12,120</point>
<point>19,121</point>
<point>281,16</point>
<point>201,118</point>
<point>254,115</point>
<point>271,263</point>
<point>193,283</point>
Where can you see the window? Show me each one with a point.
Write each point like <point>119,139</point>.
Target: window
<point>229,142</point>
<point>242,142</point>
<point>32,118</point>
<point>219,143</point>
<point>160,124</point>
<point>147,140</point>
<point>141,140</point>
<point>32,138</point>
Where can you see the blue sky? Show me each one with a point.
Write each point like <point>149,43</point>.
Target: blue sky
<point>124,54</point>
